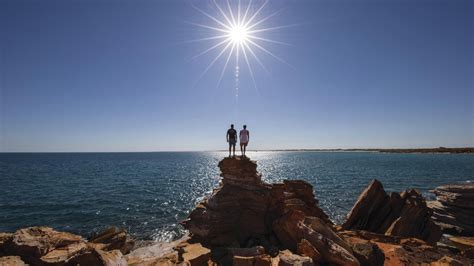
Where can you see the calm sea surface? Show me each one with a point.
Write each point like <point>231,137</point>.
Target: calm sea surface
<point>149,193</point>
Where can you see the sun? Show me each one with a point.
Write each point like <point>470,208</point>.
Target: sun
<point>239,34</point>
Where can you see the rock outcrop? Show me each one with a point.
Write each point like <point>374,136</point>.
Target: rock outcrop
<point>246,221</point>
<point>402,214</point>
<point>45,246</point>
<point>453,208</point>
<point>245,212</point>
<point>378,249</point>
<point>241,212</point>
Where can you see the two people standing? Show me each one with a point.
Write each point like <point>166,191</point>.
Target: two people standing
<point>244,137</point>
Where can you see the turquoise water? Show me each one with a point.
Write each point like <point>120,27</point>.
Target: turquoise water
<point>149,193</point>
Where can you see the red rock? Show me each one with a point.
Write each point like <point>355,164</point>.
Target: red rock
<point>243,261</point>
<point>114,238</point>
<point>290,229</point>
<point>304,248</point>
<point>368,254</point>
<point>34,242</point>
<point>454,208</point>
<point>287,258</point>
<point>111,258</point>
<point>61,255</point>
<point>194,254</point>
<point>11,261</point>
<point>243,208</point>
<point>405,215</point>
<point>263,260</point>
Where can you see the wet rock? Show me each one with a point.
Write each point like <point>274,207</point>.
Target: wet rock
<point>114,238</point>
<point>11,261</point>
<point>454,208</point>
<point>405,214</point>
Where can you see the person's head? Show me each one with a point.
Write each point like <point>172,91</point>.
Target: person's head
<point>231,125</point>
<point>245,126</point>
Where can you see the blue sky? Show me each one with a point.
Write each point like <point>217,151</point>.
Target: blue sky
<point>120,76</point>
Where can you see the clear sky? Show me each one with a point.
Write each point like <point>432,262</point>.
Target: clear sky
<point>120,76</point>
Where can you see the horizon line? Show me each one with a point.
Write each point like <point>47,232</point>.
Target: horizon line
<point>263,150</point>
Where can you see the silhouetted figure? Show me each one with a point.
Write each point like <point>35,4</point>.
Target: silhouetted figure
<point>244,137</point>
<point>231,138</point>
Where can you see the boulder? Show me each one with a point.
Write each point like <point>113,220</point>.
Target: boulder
<point>263,260</point>
<point>462,243</point>
<point>61,255</point>
<point>11,261</point>
<point>243,261</point>
<point>304,248</point>
<point>5,240</point>
<point>111,258</point>
<point>193,254</point>
<point>368,254</point>
<point>291,230</point>
<point>34,242</point>
<point>287,258</point>
<point>405,214</point>
<point>453,208</point>
<point>114,238</point>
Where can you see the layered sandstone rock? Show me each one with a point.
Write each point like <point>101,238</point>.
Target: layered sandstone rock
<point>245,212</point>
<point>241,211</point>
<point>453,208</point>
<point>45,246</point>
<point>402,214</point>
<point>391,250</point>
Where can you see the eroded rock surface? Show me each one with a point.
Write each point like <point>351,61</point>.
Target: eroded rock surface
<point>245,212</point>
<point>242,210</point>
<point>46,246</point>
<point>402,214</point>
<point>453,208</point>
<point>249,222</point>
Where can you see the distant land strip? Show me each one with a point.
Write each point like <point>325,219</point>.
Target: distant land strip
<point>415,150</point>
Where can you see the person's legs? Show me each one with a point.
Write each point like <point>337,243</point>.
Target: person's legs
<point>234,148</point>
<point>230,146</point>
<point>245,148</point>
<point>241,149</point>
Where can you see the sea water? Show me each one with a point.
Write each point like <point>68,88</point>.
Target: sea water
<point>150,193</point>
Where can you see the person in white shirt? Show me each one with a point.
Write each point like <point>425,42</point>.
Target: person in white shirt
<point>244,137</point>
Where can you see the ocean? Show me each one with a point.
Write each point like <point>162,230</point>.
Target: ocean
<point>149,193</point>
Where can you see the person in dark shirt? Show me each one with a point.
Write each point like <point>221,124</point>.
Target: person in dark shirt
<point>231,138</point>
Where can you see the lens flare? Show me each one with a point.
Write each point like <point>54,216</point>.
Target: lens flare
<point>238,33</point>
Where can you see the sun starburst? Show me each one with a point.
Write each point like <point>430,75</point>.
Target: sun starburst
<point>237,33</point>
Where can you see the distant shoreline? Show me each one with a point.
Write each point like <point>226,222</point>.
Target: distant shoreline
<point>416,150</point>
<point>442,150</point>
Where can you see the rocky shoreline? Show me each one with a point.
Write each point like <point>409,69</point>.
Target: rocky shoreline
<point>246,221</point>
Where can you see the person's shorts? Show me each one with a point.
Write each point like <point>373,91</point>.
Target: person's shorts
<point>232,142</point>
<point>244,143</point>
